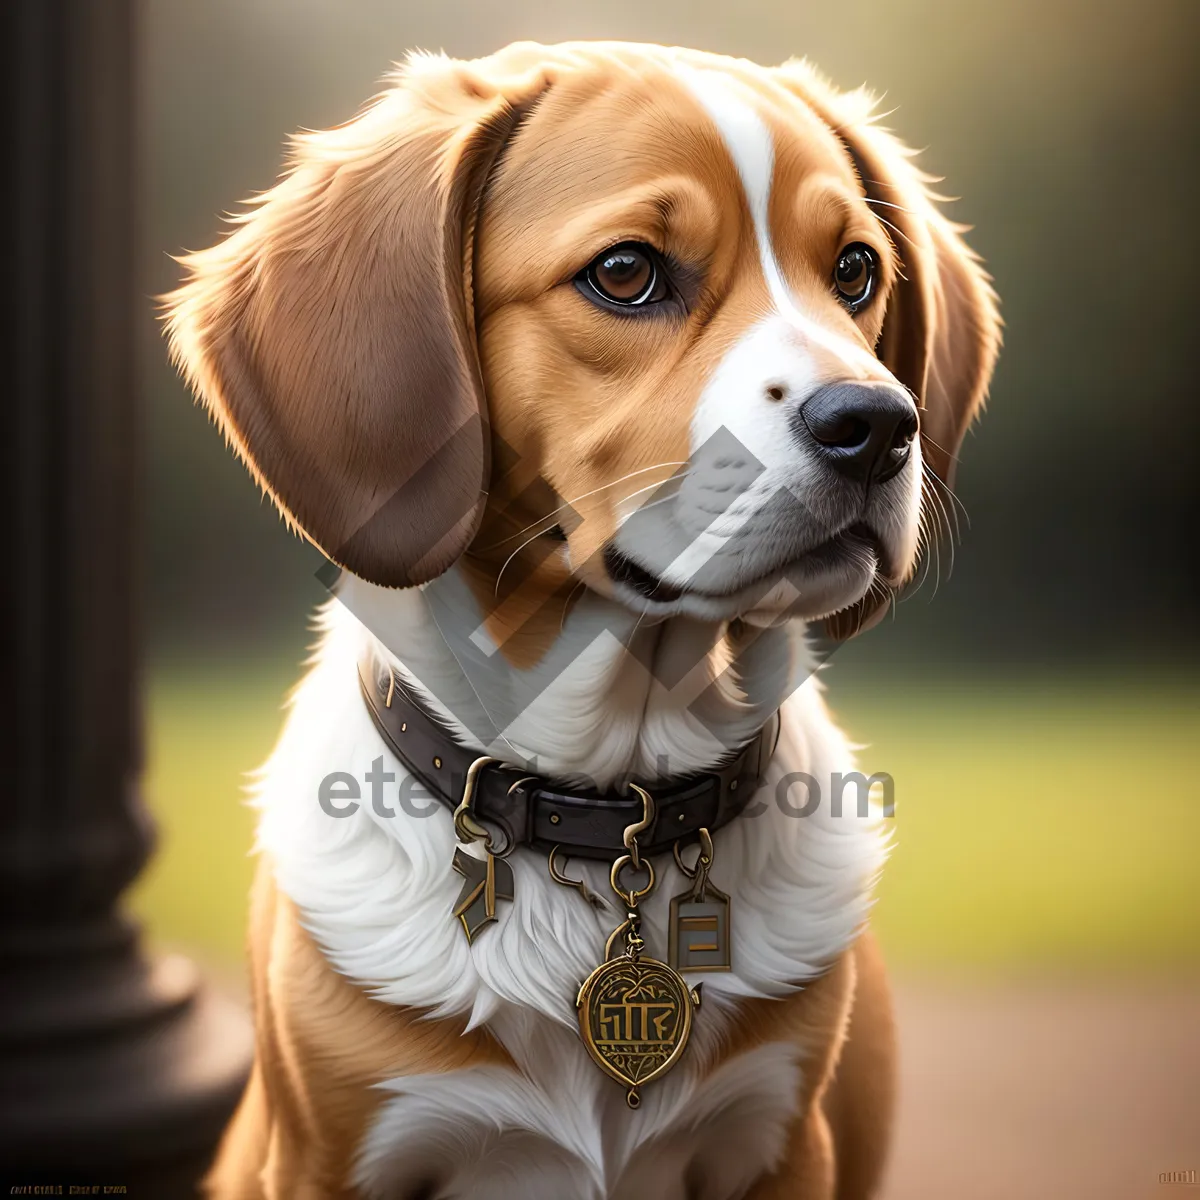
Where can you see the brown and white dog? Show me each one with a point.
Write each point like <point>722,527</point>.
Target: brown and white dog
<point>598,368</point>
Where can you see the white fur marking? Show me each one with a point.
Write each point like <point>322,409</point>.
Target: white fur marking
<point>748,140</point>
<point>492,1133</point>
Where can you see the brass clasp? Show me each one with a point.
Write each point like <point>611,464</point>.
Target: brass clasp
<point>702,863</point>
<point>629,837</point>
<point>466,825</point>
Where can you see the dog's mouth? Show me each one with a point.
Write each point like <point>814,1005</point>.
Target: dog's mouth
<point>849,545</point>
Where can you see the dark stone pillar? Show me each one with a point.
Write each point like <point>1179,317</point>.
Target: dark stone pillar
<point>114,1069</point>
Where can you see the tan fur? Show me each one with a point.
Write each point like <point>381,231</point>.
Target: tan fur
<point>321,1045</point>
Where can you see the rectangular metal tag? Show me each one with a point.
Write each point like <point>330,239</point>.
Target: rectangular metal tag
<point>699,932</point>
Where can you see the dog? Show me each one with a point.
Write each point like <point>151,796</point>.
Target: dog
<point>602,372</point>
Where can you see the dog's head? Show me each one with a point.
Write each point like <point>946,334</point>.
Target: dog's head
<point>692,328</point>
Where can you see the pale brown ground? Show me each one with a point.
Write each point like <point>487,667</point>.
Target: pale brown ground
<point>1062,1091</point>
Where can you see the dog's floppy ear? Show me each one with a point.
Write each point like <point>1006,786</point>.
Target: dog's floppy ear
<point>331,335</point>
<point>941,332</point>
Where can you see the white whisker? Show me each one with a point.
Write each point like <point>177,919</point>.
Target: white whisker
<point>888,204</point>
<point>584,496</point>
<point>885,221</point>
<point>652,487</point>
<point>567,604</point>
<point>513,555</point>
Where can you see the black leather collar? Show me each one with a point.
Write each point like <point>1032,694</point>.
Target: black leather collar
<point>531,810</point>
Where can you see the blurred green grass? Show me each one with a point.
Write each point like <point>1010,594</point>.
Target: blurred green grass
<point>1038,822</point>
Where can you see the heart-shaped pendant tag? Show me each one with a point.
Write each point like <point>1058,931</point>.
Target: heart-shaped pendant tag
<point>635,1017</point>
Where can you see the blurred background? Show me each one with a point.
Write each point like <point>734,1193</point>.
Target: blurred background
<point>1037,705</point>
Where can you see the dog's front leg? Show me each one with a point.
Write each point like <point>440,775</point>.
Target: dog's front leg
<point>815,1020</point>
<point>323,1046</point>
<point>808,1171</point>
<point>838,1144</point>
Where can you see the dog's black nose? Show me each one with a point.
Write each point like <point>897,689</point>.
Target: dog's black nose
<point>863,430</point>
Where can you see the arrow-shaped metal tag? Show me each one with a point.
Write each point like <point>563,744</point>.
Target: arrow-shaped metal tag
<point>487,881</point>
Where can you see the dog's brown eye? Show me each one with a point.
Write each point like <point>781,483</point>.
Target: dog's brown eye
<point>628,275</point>
<point>622,275</point>
<point>854,275</point>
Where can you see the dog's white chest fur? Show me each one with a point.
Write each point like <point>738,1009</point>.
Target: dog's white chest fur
<point>377,894</point>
